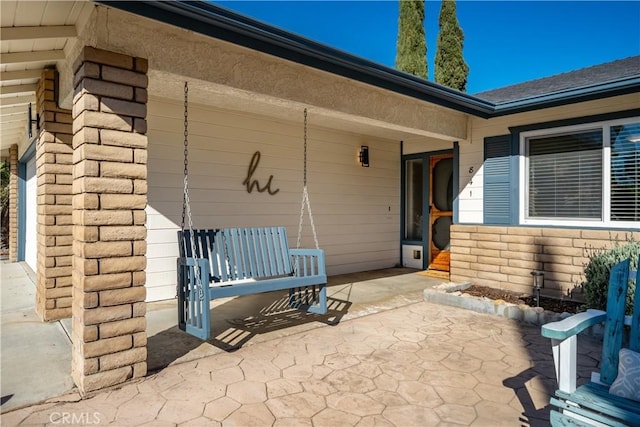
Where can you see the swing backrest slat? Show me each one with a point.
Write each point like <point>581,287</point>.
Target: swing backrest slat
<point>219,269</point>
<point>240,253</point>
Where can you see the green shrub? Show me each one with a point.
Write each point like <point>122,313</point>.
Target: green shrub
<point>598,269</point>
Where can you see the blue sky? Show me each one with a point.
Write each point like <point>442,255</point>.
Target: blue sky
<point>506,42</point>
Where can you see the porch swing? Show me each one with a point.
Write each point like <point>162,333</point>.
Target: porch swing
<point>226,262</point>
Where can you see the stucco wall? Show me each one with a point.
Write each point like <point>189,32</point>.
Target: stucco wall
<point>356,209</point>
<point>228,67</point>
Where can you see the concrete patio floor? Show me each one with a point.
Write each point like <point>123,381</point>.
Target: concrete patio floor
<point>376,359</point>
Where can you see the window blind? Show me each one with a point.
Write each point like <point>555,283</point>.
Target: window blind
<point>625,172</point>
<point>565,176</point>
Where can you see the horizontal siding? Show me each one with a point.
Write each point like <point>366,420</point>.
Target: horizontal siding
<point>471,177</point>
<point>356,210</point>
<point>500,125</point>
<point>471,151</point>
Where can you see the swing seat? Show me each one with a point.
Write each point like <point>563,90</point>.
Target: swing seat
<point>243,261</point>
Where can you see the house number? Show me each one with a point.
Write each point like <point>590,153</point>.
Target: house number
<point>251,183</point>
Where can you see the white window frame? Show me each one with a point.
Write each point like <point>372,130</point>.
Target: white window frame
<point>523,168</point>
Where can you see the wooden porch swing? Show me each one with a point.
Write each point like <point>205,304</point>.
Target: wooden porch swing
<point>225,262</point>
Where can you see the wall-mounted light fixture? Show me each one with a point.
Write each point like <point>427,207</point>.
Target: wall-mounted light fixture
<point>363,156</point>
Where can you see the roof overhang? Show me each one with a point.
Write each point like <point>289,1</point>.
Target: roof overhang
<point>214,21</point>
<point>35,36</point>
<point>210,20</point>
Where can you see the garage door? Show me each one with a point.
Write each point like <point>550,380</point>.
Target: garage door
<point>31,214</point>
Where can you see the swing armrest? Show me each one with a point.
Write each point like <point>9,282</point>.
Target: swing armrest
<point>308,262</point>
<point>203,267</point>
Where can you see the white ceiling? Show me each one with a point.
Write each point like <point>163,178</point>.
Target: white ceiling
<point>33,36</point>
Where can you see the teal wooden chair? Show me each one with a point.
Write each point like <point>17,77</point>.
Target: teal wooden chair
<point>604,400</point>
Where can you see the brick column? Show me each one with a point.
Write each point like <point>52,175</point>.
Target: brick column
<point>109,198</point>
<point>13,203</point>
<point>53,169</point>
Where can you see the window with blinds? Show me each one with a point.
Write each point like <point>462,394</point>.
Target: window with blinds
<point>565,176</point>
<point>582,175</point>
<point>625,172</point>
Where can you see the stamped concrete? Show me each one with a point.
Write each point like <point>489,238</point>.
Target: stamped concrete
<point>382,356</point>
<point>36,355</point>
<point>238,322</point>
<point>417,365</point>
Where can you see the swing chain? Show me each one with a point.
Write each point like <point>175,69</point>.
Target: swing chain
<point>186,151</point>
<point>305,194</point>
<point>305,148</point>
<point>186,203</point>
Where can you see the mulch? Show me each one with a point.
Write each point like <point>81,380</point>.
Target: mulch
<point>551,304</point>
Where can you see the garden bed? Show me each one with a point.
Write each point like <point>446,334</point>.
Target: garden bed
<point>547,303</point>
<point>501,303</point>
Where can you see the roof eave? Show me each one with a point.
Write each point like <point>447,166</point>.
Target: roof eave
<point>214,21</point>
<point>624,86</point>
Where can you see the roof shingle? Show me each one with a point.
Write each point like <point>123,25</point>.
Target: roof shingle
<point>608,72</point>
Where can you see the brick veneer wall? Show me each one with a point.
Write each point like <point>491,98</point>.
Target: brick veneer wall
<point>13,203</point>
<point>503,257</point>
<point>109,198</point>
<point>54,229</point>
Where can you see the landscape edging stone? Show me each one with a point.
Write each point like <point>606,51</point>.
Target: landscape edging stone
<point>452,294</point>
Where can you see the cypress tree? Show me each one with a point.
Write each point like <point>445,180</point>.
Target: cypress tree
<point>411,49</point>
<point>450,68</point>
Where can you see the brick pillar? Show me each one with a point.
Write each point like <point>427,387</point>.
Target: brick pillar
<point>109,198</point>
<point>53,168</point>
<point>13,203</point>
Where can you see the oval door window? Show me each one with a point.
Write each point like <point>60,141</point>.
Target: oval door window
<point>443,185</point>
<point>440,232</point>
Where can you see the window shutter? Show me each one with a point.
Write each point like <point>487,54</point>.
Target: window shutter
<point>497,180</point>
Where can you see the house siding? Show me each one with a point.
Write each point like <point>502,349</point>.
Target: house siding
<point>503,256</point>
<point>471,151</point>
<point>355,209</point>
